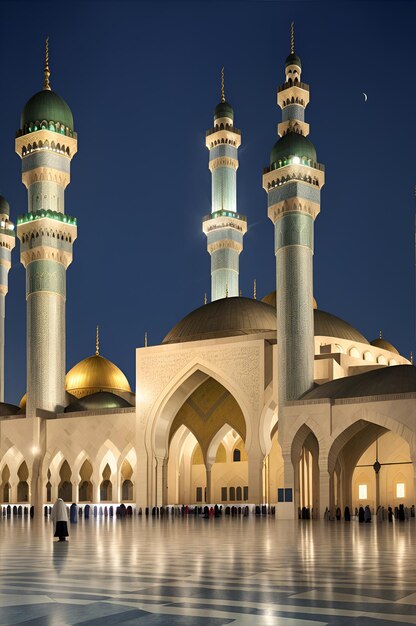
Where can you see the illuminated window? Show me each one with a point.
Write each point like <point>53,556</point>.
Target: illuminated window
<point>399,490</point>
<point>362,492</point>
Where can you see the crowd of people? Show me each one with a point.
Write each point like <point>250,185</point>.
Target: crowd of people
<point>364,514</point>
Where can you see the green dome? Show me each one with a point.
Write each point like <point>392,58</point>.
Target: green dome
<point>293,59</point>
<point>4,206</point>
<point>292,144</point>
<point>46,105</point>
<point>223,109</point>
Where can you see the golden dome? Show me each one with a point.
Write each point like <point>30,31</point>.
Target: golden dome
<point>94,374</point>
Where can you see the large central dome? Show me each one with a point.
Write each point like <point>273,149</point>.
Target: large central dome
<point>231,317</point>
<point>224,318</point>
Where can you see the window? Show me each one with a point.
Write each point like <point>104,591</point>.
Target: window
<point>236,455</point>
<point>224,494</point>
<point>399,490</point>
<point>362,492</point>
<point>232,494</point>
<point>245,491</point>
<point>199,494</point>
<point>239,494</point>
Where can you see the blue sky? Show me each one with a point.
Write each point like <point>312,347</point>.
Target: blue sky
<point>142,80</point>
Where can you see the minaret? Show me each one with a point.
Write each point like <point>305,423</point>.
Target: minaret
<point>46,143</point>
<point>7,243</point>
<point>224,227</point>
<point>293,183</point>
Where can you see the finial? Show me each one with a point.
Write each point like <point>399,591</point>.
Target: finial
<point>97,342</point>
<point>411,358</point>
<point>222,86</point>
<point>205,298</point>
<point>255,289</point>
<point>241,293</point>
<point>292,38</point>
<point>381,335</point>
<point>46,71</point>
<point>145,339</point>
<point>226,289</point>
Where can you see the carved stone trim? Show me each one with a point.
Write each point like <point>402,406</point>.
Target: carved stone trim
<point>225,243</point>
<point>276,211</point>
<point>223,162</point>
<point>45,174</point>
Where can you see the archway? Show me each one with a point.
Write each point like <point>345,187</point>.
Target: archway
<point>126,472</point>
<point>374,465</point>
<point>106,488</point>
<point>305,460</point>
<point>85,484</point>
<point>65,485</point>
<point>198,429</point>
<point>5,484</point>
<point>22,485</point>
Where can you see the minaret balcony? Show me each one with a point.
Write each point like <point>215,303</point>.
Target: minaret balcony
<point>217,136</point>
<point>224,219</point>
<point>291,83</point>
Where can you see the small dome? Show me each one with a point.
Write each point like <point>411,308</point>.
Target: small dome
<point>223,109</point>
<point>377,382</point>
<point>22,404</point>
<point>8,409</point>
<point>94,374</point>
<point>96,401</point>
<point>293,59</point>
<point>227,317</point>
<point>4,206</point>
<point>384,345</point>
<point>290,145</point>
<point>46,105</point>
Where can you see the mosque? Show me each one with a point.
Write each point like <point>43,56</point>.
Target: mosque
<point>270,401</point>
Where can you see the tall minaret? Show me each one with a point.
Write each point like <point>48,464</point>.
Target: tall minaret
<point>7,243</point>
<point>224,227</point>
<point>293,183</point>
<point>46,143</point>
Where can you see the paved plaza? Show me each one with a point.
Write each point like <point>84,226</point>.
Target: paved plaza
<point>197,572</point>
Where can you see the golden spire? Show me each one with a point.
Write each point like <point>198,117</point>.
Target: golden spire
<point>411,358</point>
<point>255,289</point>
<point>47,71</point>
<point>145,339</point>
<point>205,298</point>
<point>381,335</point>
<point>97,342</point>
<point>226,289</point>
<point>222,86</point>
<point>241,292</point>
<point>292,38</point>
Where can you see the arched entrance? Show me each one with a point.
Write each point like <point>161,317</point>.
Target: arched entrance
<point>206,436</point>
<point>370,464</point>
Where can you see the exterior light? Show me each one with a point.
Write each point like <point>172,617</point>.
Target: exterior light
<point>296,160</point>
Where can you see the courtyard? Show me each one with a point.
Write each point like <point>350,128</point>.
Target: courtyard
<point>190,571</point>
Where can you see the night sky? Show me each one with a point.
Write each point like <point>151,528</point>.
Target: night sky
<point>142,80</point>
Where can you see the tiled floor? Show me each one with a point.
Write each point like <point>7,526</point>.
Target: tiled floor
<point>197,572</point>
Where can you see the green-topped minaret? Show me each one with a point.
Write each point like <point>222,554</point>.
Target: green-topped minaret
<point>46,143</point>
<point>224,227</point>
<point>293,182</point>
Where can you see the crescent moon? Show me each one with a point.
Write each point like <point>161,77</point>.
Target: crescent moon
<point>365,97</point>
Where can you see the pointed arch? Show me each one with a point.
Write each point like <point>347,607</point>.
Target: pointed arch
<point>177,392</point>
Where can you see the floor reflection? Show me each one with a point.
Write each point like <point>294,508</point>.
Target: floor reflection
<point>191,572</point>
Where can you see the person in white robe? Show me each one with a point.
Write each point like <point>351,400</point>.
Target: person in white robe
<point>59,517</point>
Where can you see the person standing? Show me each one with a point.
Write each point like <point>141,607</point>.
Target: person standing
<point>59,517</point>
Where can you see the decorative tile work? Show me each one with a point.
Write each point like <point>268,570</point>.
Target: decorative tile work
<point>196,572</point>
